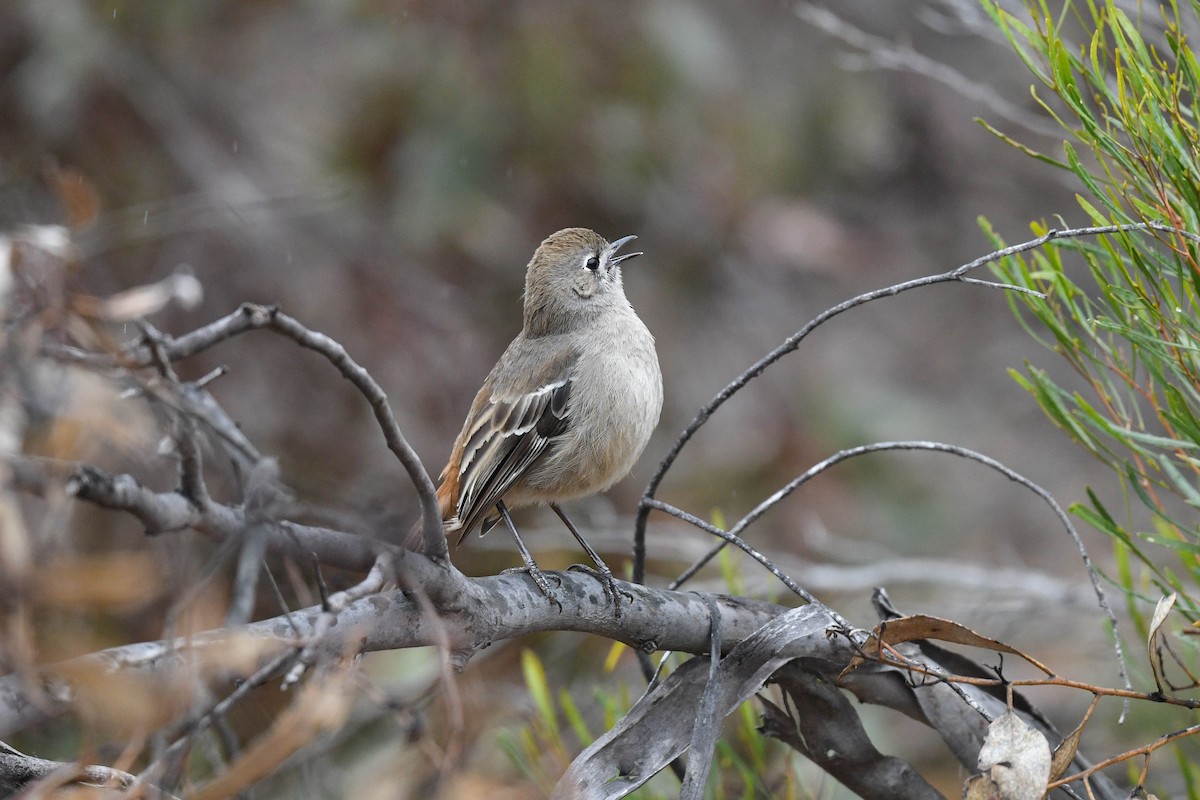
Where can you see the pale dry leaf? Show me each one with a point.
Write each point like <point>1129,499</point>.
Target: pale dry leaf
<point>42,260</point>
<point>660,725</point>
<point>87,418</point>
<point>53,240</point>
<point>181,287</point>
<point>16,552</point>
<point>1016,760</point>
<point>6,268</point>
<point>1161,610</point>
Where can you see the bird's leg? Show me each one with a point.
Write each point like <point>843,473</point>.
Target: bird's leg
<point>539,577</point>
<point>602,573</point>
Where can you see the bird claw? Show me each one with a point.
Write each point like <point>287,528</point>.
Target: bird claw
<point>611,593</point>
<point>539,579</point>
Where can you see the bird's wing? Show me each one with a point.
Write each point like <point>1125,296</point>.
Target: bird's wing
<point>508,433</point>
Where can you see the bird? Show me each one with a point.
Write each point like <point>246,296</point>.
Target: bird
<point>569,406</point>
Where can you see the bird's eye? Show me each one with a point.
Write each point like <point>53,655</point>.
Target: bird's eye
<point>593,263</point>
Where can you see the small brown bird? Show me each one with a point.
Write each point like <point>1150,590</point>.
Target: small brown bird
<point>569,406</point>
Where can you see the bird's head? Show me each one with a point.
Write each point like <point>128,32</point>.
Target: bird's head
<point>574,275</point>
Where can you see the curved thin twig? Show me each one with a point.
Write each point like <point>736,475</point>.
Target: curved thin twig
<point>431,519</point>
<point>792,342</point>
<point>738,542</point>
<point>250,316</point>
<point>734,533</point>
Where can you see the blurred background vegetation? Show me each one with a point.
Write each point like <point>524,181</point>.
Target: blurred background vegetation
<point>384,168</point>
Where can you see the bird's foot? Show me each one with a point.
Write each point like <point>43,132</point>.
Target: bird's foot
<point>541,580</point>
<point>612,594</point>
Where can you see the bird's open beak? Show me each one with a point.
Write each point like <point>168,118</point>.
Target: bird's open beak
<point>613,258</point>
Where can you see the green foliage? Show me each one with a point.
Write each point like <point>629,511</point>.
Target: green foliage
<point>1126,97</point>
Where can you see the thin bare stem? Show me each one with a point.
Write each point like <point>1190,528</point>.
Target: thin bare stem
<point>941,447</point>
<point>434,536</point>
<point>729,538</point>
<point>792,342</point>
<point>250,317</point>
<point>891,657</point>
<point>1144,750</point>
<point>170,760</point>
<point>959,274</point>
<point>382,573</point>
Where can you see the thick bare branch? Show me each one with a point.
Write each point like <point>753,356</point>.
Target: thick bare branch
<point>22,773</point>
<point>473,613</point>
<point>163,512</point>
<point>826,728</point>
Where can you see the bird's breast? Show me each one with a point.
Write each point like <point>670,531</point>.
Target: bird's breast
<point>616,398</point>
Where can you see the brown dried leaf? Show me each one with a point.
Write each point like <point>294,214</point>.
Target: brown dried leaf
<point>1064,754</point>
<point>320,707</point>
<point>121,695</point>
<point>921,626</point>
<point>112,581</point>
<point>125,703</point>
<point>235,654</point>
<point>78,196</point>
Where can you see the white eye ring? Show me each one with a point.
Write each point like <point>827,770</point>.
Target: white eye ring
<point>593,263</point>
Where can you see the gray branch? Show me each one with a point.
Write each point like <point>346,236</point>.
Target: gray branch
<point>165,512</point>
<point>250,317</point>
<point>21,772</point>
<point>472,613</point>
<point>826,728</point>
